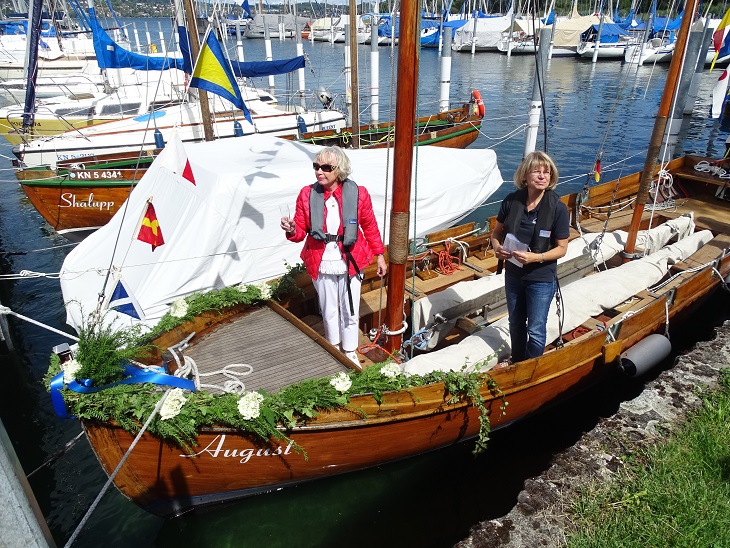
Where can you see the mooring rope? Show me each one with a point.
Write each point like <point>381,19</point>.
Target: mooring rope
<point>6,310</point>
<point>109,481</point>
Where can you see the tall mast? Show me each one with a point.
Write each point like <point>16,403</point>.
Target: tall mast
<point>660,125</point>
<point>354,84</point>
<point>31,62</point>
<point>194,53</point>
<point>405,123</point>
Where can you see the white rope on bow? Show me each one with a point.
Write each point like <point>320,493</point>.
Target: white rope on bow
<point>232,372</point>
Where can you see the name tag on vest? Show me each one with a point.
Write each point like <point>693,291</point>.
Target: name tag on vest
<point>544,234</point>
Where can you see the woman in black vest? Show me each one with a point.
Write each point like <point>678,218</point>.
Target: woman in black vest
<point>531,234</point>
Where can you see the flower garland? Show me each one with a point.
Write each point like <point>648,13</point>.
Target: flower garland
<point>266,415</point>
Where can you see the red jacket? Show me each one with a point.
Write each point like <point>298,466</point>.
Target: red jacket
<point>368,244</point>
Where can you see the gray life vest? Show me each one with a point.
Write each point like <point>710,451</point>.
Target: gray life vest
<point>348,214</point>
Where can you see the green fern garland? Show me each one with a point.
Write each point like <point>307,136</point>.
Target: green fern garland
<point>102,352</point>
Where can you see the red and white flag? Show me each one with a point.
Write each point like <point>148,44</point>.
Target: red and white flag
<point>176,159</point>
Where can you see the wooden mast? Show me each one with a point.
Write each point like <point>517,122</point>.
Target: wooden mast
<point>405,122</point>
<point>194,54</point>
<point>660,126</point>
<point>354,84</point>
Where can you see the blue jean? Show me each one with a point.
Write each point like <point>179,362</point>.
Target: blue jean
<point>528,304</point>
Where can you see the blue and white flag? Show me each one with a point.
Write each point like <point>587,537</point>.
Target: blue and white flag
<point>246,9</point>
<point>123,301</point>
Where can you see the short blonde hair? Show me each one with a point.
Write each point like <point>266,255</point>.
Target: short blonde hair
<point>336,156</point>
<point>534,160</point>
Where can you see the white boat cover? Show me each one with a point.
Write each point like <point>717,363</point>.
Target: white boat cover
<point>567,33</point>
<point>224,229</point>
<point>582,299</point>
<point>488,32</point>
<point>468,297</point>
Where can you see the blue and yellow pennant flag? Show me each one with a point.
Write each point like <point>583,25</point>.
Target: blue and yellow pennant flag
<point>212,73</point>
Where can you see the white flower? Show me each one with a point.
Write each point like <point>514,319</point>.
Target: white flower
<point>173,403</point>
<point>242,287</point>
<point>341,382</point>
<point>391,370</point>
<point>179,308</point>
<point>70,369</point>
<point>250,405</point>
<point>264,290</point>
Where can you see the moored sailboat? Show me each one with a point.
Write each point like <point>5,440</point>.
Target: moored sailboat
<point>382,414</point>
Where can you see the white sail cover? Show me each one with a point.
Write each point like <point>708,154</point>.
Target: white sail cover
<point>582,299</point>
<point>487,34</point>
<point>224,229</point>
<point>567,33</point>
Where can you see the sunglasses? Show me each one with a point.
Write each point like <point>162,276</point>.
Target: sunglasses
<point>324,167</point>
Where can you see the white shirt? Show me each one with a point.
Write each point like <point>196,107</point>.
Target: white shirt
<point>332,260</point>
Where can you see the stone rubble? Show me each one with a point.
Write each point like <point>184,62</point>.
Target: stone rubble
<point>540,517</point>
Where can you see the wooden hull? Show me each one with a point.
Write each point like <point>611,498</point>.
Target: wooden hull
<point>76,208</point>
<point>229,465</point>
<point>456,128</point>
<point>79,198</point>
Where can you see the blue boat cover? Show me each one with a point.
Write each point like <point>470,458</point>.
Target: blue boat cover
<point>252,69</point>
<point>610,32</point>
<point>21,27</point>
<point>110,55</point>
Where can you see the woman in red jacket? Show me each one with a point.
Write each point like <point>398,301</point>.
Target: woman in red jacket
<point>336,217</point>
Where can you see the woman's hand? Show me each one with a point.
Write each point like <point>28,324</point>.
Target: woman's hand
<point>382,266</point>
<point>527,257</point>
<point>501,253</point>
<point>287,225</point>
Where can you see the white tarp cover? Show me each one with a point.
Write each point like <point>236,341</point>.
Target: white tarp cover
<point>488,31</point>
<point>582,299</point>
<point>567,33</point>
<point>467,297</point>
<point>224,230</point>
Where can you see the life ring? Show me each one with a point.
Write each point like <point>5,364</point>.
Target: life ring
<point>476,98</point>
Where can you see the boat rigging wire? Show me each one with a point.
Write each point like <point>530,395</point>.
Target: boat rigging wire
<point>7,311</point>
<point>59,246</point>
<point>113,475</point>
<point>59,453</point>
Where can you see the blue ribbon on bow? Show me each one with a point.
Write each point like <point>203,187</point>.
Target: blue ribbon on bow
<point>135,376</point>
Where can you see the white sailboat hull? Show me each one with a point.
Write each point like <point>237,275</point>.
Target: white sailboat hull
<point>134,135</point>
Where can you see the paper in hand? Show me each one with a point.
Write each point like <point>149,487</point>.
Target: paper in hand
<point>511,243</point>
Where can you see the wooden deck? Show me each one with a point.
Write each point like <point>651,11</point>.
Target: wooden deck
<point>279,353</point>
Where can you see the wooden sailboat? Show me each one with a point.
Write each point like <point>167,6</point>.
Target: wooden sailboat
<point>422,413</point>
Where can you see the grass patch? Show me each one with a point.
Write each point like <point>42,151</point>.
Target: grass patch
<point>673,494</point>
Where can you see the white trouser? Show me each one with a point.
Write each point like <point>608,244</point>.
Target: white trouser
<point>339,325</point>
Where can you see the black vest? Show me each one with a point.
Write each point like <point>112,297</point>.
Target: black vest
<point>545,216</point>
<point>350,196</point>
